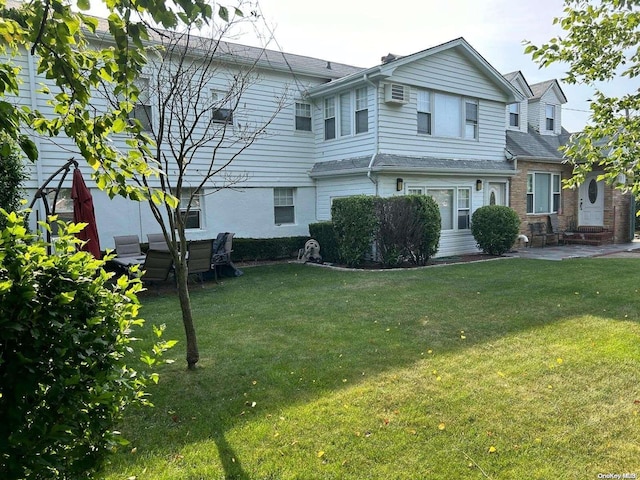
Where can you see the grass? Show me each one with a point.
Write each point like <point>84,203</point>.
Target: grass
<point>505,369</point>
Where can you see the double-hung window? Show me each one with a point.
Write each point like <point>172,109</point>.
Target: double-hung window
<point>142,107</point>
<point>543,192</point>
<point>514,114</point>
<point>303,117</point>
<point>424,112</point>
<point>454,205</point>
<point>191,214</point>
<point>63,207</point>
<point>283,206</point>
<point>550,117</point>
<point>362,111</point>
<point>345,114</point>
<point>329,118</point>
<point>221,111</point>
<point>471,119</point>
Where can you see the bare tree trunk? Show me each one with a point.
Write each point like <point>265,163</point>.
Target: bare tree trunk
<point>187,317</point>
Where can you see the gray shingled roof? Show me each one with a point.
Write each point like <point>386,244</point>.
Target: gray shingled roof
<point>534,145</point>
<point>538,89</point>
<point>396,163</point>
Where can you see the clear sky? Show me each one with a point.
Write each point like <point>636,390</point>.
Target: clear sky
<point>359,32</point>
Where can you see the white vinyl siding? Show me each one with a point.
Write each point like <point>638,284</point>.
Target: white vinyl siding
<point>543,192</point>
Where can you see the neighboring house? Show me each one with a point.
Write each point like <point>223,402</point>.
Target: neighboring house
<point>433,123</point>
<point>536,189</point>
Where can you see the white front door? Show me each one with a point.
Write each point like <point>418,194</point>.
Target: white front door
<point>496,194</point>
<point>591,201</point>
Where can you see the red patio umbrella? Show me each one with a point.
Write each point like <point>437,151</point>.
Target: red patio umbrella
<point>83,212</point>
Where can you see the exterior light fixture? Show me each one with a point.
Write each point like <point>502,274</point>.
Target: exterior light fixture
<point>478,185</point>
<point>399,184</point>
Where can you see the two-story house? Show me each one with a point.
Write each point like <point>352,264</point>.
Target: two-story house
<point>441,122</point>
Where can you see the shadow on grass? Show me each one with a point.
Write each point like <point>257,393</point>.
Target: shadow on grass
<point>286,335</point>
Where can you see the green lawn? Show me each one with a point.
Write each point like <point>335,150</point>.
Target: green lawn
<point>509,369</point>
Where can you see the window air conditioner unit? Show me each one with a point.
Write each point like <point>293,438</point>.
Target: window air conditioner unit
<point>395,93</point>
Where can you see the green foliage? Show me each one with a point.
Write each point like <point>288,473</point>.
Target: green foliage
<point>12,174</point>
<point>65,336</point>
<point>408,229</point>
<point>354,220</point>
<point>495,228</point>
<point>253,249</point>
<point>600,43</point>
<point>325,234</point>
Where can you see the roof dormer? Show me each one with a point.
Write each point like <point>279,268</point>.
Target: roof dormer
<point>517,112</point>
<point>545,107</point>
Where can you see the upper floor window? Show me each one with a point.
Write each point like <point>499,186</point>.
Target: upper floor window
<point>424,112</point>
<point>471,119</point>
<point>221,111</point>
<point>142,107</point>
<point>283,206</point>
<point>191,214</point>
<point>543,192</point>
<point>63,207</point>
<point>550,117</point>
<point>362,111</point>
<point>514,114</point>
<point>454,205</point>
<point>345,114</point>
<point>303,117</point>
<point>329,118</point>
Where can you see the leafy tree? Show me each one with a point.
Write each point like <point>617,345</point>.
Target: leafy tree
<point>601,43</point>
<point>66,332</point>
<point>12,174</point>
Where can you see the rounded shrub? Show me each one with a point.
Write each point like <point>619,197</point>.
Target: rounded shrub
<point>354,221</point>
<point>495,228</point>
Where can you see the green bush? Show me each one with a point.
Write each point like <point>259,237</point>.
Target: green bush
<point>355,222</point>
<point>325,234</point>
<point>65,337</point>
<point>495,228</point>
<point>254,249</point>
<point>408,229</point>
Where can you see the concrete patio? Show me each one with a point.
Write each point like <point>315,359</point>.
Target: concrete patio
<point>563,252</point>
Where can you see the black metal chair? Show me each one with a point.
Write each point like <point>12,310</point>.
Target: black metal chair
<point>199,258</point>
<point>157,266</point>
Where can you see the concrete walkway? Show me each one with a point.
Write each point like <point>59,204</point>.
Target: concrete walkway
<point>562,252</point>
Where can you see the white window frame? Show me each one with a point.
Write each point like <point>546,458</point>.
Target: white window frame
<point>534,202</point>
<point>459,212</point>
<point>550,118</point>
<point>284,197</point>
<point>361,115</point>
<point>221,112</point>
<point>195,210</point>
<point>142,110</point>
<point>424,112</point>
<point>63,207</point>
<point>471,119</point>
<point>514,115</point>
<point>330,120</point>
<point>303,117</point>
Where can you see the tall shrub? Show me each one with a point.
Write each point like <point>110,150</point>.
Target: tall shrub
<point>408,229</point>
<point>354,221</point>
<point>12,175</point>
<point>65,338</point>
<point>495,228</point>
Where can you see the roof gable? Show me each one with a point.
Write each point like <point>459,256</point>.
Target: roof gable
<point>540,89</point>
<point>517,80</point>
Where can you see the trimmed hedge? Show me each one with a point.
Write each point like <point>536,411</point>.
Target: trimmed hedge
<point>495,228</point>
<point>255,249</point>
<point>325,234</point>
<point>354,220</point>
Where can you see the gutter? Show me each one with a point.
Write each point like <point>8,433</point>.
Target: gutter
<point>437,171</point>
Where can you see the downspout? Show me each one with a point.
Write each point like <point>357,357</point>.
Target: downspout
<point>33,94</point>
<point>376,123</point>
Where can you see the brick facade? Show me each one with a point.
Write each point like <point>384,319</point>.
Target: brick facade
<point>617,205</point>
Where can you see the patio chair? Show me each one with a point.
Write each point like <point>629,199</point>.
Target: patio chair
<point>199,258</point>
<point>157,266</point>
<point>128,251</point>
<point>538,230</point>
<point>222,248</point>
<point>157,242</point>
<point>554,229</point>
